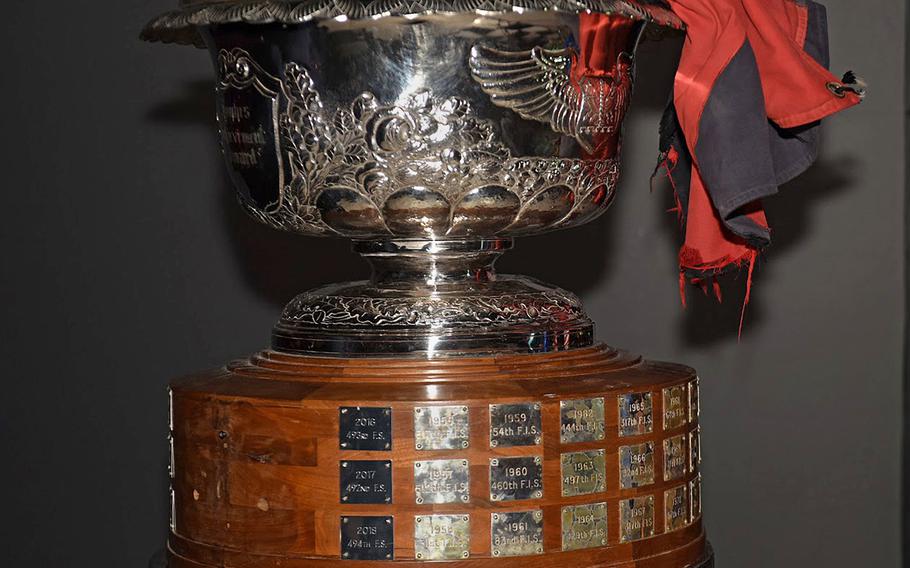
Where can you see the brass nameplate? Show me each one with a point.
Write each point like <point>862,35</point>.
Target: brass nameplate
<point>516,479</point>
<point>694,404</point>
<point>584,473</point>
<point>514,425</point>
<point>367,538</point>
<point>635,414</point>
<point>442,537</point>
<point>694,449</point>
<point>582,420</point>
<point>366,482</point>
<point>584,526</point>
<point>442,481</point>
<point>636,465</point>
<point>636,518</point>
<point>365,428</point>
<point>676,508</point>
<point>695,498</point>
<point>441,428</point>
<point>676,407</point>
<point>675,457</point>
<point>517,534</point>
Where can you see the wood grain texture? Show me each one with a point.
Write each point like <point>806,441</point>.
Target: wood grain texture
<point>256,451</point>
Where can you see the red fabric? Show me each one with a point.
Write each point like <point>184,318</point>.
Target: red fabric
<point>794,87</point>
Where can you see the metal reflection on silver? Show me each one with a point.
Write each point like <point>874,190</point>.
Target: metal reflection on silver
<point>676,459</point>
<point>441,427</point>
<point>517,533</point>
<point>635,414</point>
<point>516,479</point>
<point>442,481</point>
<point>514,425</point>
<point>584,526</point>
<point>442,537</point>
<point>676,508</point>
<point>582,420</point>
<point>583,473</point>
<point>675,407</point>
<point>636,465</point>
<point>636,518</point>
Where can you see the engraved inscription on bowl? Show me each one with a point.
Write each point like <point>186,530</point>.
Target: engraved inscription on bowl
<point>365,428</point>
<point>366,482</point>
<point>636,518</point>
<point>441,428</point>
<point>676,407</point>
<point>583,473</point>
<point>584,526</point>
<point>635,414</point>
<point>514,425</point>
<point>367,538</point>
<point>676,508</point>
<point>675,457</point>
<point>636,465</point>
<point>582,420</point>
<point>516,479</point>
<point>517,533</point>
<point>442,481</point>
<point>442,537</point>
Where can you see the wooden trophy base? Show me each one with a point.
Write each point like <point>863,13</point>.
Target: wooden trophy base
<point>585,458</point>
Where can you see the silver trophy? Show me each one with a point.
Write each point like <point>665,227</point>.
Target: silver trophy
<point>430,133</point>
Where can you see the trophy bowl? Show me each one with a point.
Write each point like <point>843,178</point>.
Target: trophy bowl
<point>431,134</point>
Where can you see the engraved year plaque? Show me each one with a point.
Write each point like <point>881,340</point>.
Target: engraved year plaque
<point>517,534</point>
<point>366,482</point>
<point>635,416</point>
<point>694,405</point>
<point>694,449</point>
<point>515,425</point>
<point>441,428</point>
<point>365,428</point>
<point>636,465</point>
<point>442,481</point>
<point>367,538</point>
<point>582,420</point>
<point>442,537</point>
<point>516,479</point>
<point>636,518</point>
<point>695,498</point>
<point>676,508</point>
<point>676,407</point>
<point>584,473</point>
<point>675,458</point>
<point>584,526</point>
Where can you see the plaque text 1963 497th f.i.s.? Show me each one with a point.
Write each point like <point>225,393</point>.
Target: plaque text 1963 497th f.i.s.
<point>437,412</point>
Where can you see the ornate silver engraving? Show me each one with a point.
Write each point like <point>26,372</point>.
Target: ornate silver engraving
<point>539,85</point>
<point>357,172</point>
<point>178,25</point>
<point>470,311</point>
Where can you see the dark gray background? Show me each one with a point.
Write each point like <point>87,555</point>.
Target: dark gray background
<point>127,263</point>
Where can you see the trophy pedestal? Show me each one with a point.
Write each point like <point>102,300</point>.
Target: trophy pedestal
<point>584,458</point>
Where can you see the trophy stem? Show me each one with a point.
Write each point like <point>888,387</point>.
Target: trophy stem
<point>433,298</point>
<point>433,265</point>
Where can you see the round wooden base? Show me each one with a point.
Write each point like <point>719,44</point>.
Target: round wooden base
<point>585,458</point>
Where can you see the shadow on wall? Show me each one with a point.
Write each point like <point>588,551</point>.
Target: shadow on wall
<point>707,321</point>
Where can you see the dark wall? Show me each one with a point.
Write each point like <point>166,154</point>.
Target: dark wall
<point>127,263</point>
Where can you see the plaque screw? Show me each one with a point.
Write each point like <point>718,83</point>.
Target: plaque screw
<point>344,464</point>
<point>495,553</point>
<point>465,444</point>
<point>493,443</point>
<point>465,498</point>
<point>222,434</point>
<point>495,517</point>
<point>420,500</point>
<point>465,554</point>
<point>464,409</point>
<point>419,519</point>
<point>344,520</point>
<point>464,463</point>
<point>344,410</point>
<point>419,446</point>
<point>494,462</point>
<point>539,550</point>
<point>419,556</point>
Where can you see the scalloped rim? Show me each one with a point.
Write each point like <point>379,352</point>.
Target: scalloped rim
<point>179,26</point>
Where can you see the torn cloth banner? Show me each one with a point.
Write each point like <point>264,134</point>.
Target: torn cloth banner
<point>752,85</point>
